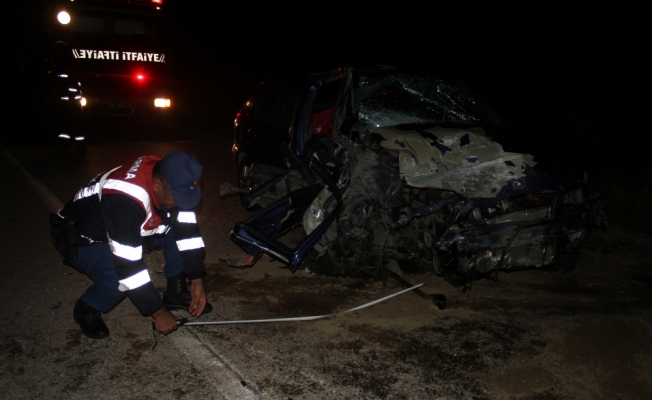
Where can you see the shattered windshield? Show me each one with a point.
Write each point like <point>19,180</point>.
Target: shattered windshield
<point>396,98</point>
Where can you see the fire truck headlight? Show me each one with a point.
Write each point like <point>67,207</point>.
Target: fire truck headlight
<point>63,18</point>
<point>82,101</point>
<point>162,103</point>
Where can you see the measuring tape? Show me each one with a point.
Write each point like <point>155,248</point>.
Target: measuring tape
<point>184,321</point>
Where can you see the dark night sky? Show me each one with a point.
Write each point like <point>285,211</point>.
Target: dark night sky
<point>579,75</point>
<point>547,64</point>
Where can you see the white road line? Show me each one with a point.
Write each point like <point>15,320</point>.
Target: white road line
<point>228,382</point>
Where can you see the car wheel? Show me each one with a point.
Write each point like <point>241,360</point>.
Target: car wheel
<point>245,181</point>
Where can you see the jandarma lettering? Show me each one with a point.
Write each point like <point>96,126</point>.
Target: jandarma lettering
<point>118,55</point>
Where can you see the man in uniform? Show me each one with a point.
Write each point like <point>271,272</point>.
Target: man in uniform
<point>104,229</point>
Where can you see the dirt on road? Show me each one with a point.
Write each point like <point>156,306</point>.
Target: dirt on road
<point>581,334</point>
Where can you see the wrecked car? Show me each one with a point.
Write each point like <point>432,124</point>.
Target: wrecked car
<point>380,167</point>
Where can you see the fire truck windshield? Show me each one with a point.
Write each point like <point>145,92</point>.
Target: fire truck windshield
<point>115,28</point>
<point>86,24</point>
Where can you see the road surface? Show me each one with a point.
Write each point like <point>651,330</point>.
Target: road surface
<point>583,334</point>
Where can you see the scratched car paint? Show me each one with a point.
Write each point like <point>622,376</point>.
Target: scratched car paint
<point>381,167</point>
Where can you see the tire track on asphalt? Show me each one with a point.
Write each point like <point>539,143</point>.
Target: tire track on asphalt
<point>227,382</point>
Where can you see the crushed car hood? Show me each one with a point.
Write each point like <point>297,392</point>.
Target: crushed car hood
<point>465,161</point>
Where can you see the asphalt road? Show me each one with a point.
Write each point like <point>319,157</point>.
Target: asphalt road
<point>585,334</point>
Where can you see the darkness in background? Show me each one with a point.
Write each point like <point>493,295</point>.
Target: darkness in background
<point>560,74</point>
<point>578,77</point>
<point>553,68</point>
<point>554,71</point>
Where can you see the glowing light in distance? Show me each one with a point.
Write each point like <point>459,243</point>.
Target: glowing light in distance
<point>64,136</point>
<point>63,18</point>
<point>161,102</point>
<point>79,138</point>
<point>83,101</point>
<point>62,75</point>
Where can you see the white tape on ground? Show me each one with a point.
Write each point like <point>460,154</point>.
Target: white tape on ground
<point>294,319</point>
<point>228,382</point>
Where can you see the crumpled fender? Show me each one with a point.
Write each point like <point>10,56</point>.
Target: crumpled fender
<point>465,161</point>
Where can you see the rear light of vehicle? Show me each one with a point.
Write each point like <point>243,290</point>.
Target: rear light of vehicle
<point>162,103</point>
<point>157,1</point>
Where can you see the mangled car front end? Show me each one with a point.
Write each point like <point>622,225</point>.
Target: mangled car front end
<point>412,170</point>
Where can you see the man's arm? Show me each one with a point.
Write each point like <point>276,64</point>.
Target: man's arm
<point>190,243</point>
<point>192,251</point>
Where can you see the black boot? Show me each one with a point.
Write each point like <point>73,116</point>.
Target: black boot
<point>90,320</point>
<point>178,297</point>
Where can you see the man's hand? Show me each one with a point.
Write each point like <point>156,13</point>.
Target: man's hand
<point>164,321</point>
<point>198,297</point>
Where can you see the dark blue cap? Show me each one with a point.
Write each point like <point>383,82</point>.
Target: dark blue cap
<point>182,172</point>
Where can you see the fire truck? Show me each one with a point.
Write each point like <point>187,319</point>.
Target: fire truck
<point>107,57</point>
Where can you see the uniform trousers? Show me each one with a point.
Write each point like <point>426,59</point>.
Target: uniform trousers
<point>96,260</point>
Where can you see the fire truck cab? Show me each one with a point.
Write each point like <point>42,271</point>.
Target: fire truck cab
<point>108,57</point>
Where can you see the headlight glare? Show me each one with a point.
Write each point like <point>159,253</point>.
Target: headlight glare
<point>63,18</point>
<point>162,103</point>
